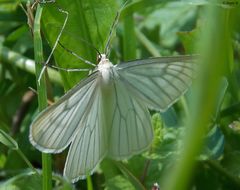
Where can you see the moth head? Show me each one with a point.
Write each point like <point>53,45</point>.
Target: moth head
<point>101,58</point>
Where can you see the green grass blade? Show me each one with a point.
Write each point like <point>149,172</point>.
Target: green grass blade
<point>214,51</point>
<point>42,95</point>
<point>129,39</point>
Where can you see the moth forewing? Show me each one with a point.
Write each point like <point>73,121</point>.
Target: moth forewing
<point>52,130</point>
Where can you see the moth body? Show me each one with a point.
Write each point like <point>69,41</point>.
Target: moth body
<point>105,69</point>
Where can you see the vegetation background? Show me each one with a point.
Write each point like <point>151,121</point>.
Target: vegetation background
<point>197,141</point>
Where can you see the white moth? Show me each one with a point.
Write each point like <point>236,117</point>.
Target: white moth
<point>107,113</point>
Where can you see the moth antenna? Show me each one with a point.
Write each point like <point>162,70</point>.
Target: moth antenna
<point>58,37</point>
<point>76,55</point>
<point>113,27</point>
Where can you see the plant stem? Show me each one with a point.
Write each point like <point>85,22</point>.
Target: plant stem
<point>147,43</point>
<point>26,64</point>
<point>129,39</point>
<point>42,94</point>
<point>89,183</point>
<point>27,161</point>
<point>185,106</point>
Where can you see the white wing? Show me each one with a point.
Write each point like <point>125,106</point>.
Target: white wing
<point>89,145</point>
<point>158,82</point>
<point>77,118</point>
<point>53,129</point>
<point>131,131</point>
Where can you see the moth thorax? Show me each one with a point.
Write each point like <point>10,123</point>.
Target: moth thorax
<point>105,68</point>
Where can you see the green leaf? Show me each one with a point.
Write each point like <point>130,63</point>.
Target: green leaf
<point>170,118</point>
<point>214,145</point>
<point>8,140</point>
<point>135,182</point>
<point>26,181</point>
<point>181,14</point>
<point>89,23</point>
<point>158,130</point>
<point>118,183</point>
<point>189,40</point>
<point>150,166</point>
<point>221,94</point>
<point>231,162</point>
<point>3,159</point>
<point>20,39</point>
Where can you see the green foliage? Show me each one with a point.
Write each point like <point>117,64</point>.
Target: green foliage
<point>19,182</point>
<point>7,140</point>
<point>200,133</point>
<point>119,182</point>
